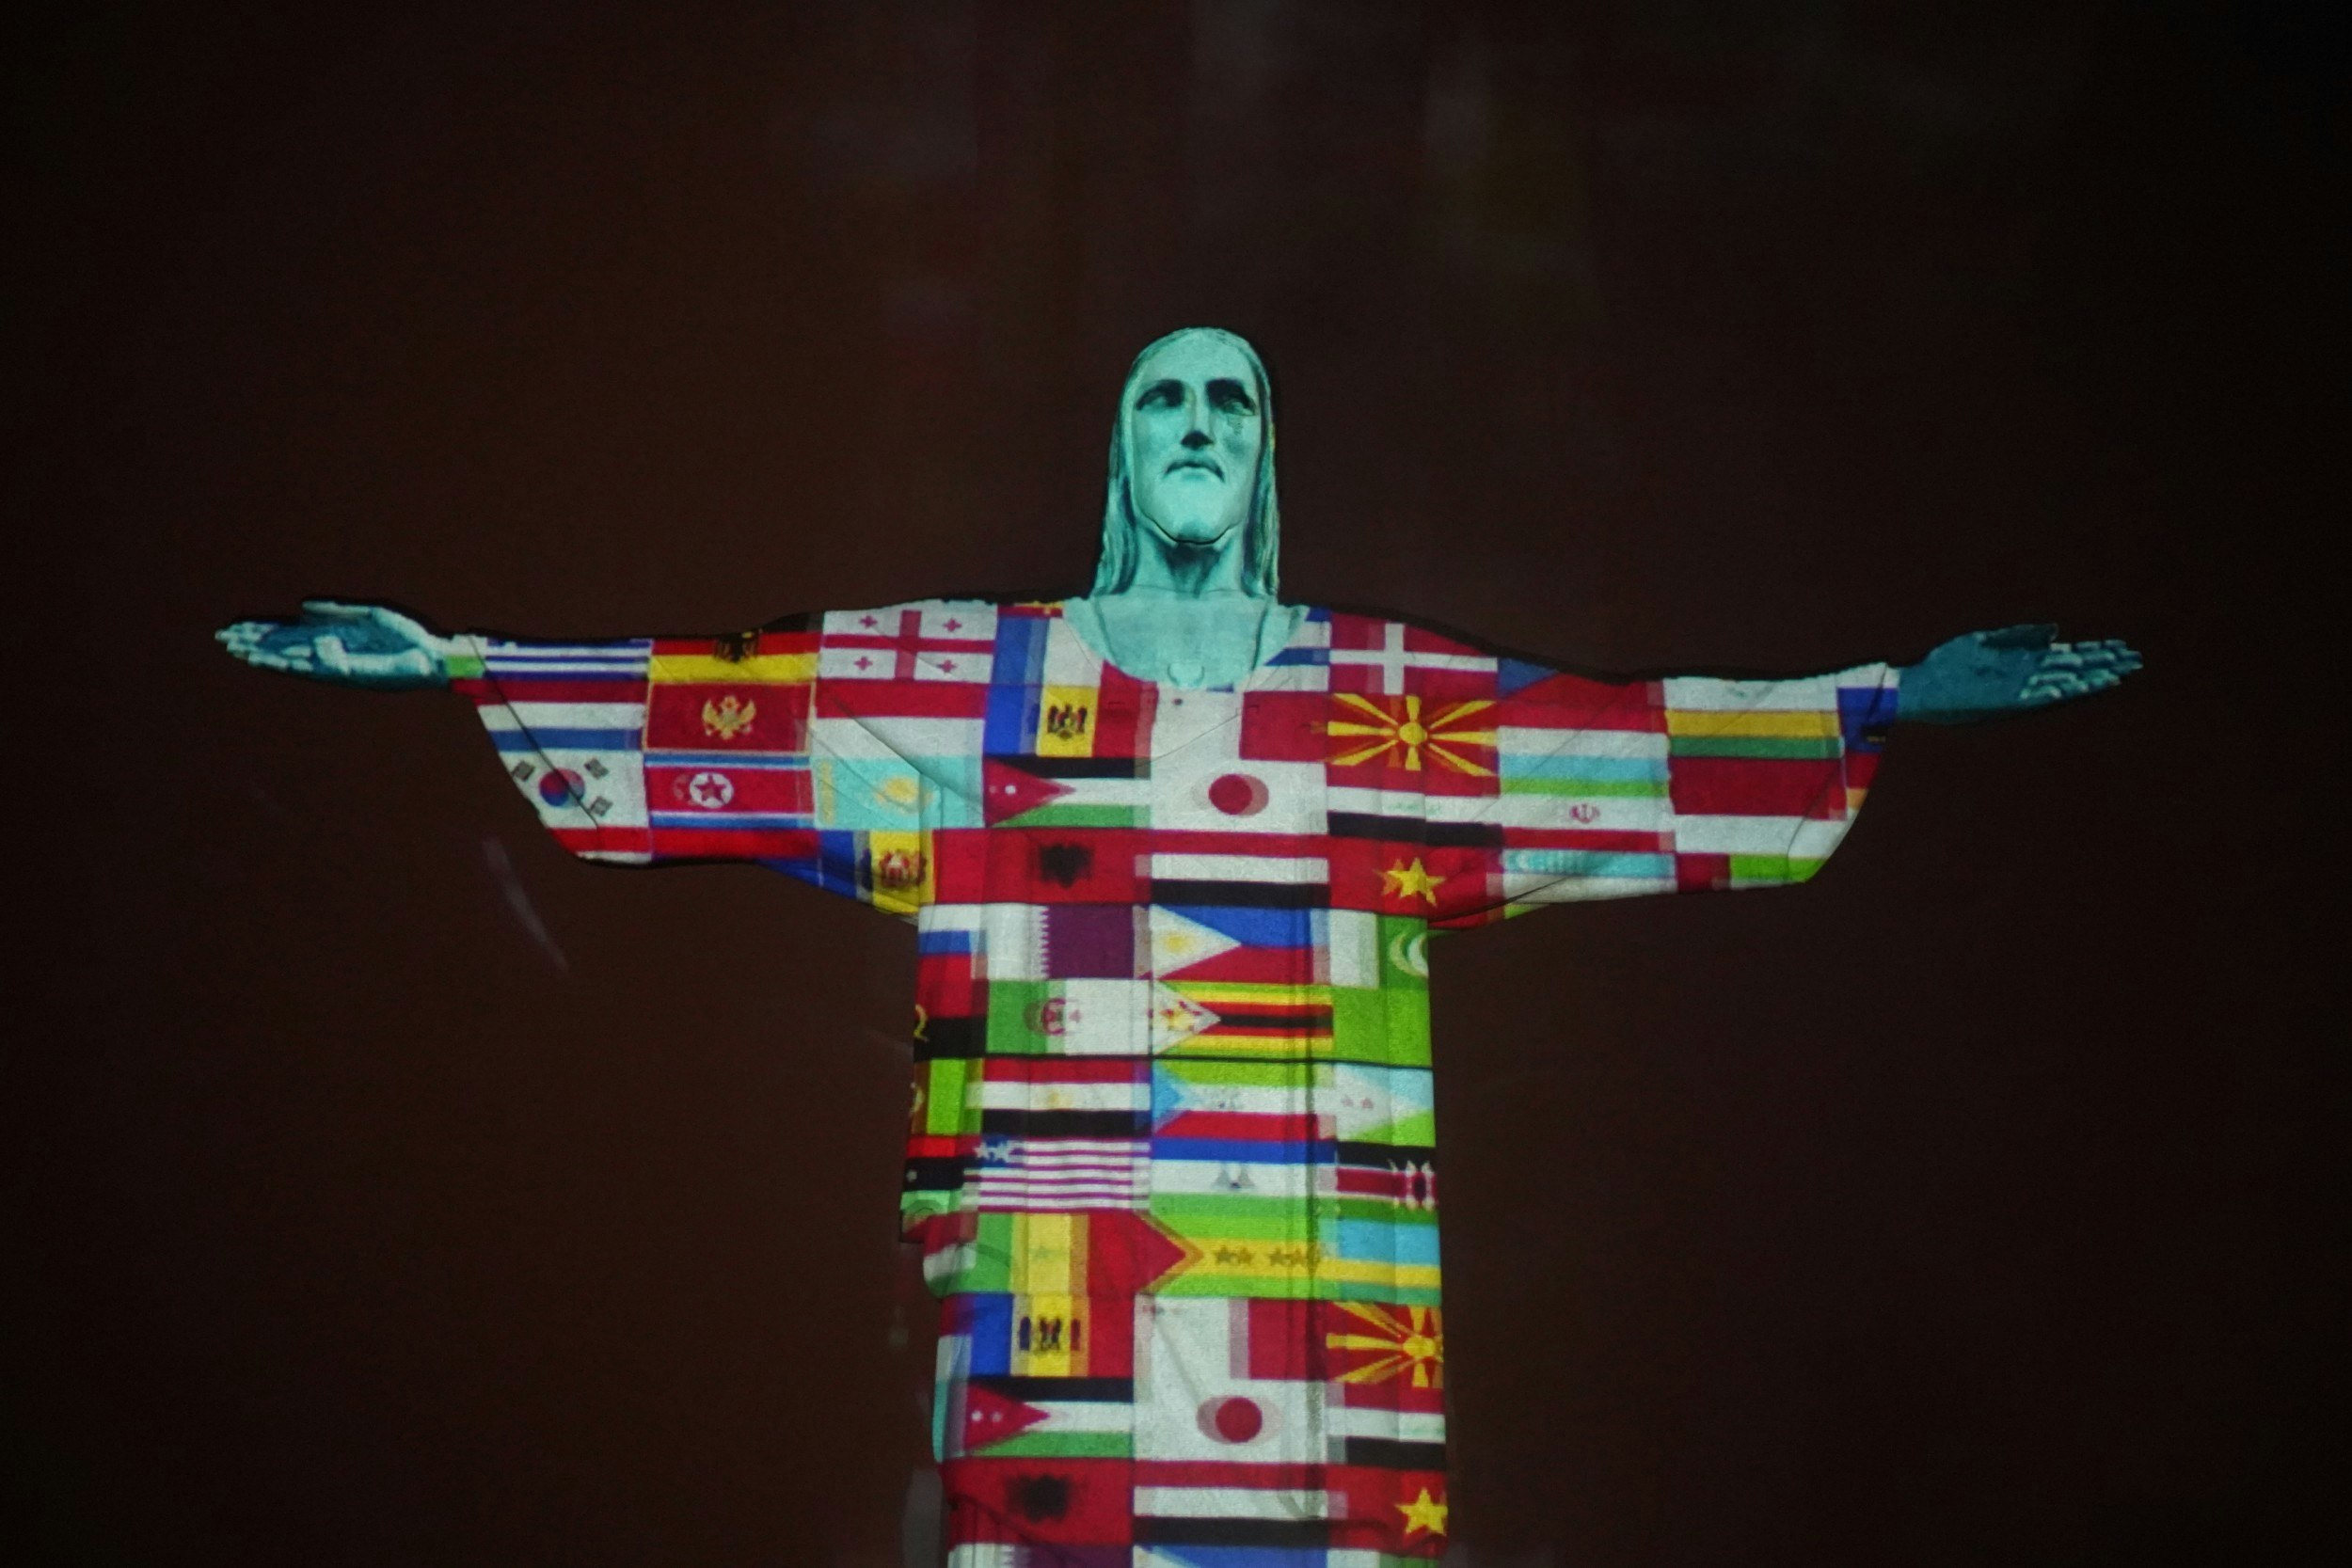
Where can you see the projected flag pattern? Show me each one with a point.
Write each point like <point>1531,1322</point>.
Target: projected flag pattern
<point>1172,1156</point>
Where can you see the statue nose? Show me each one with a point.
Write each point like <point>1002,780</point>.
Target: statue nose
<point>1195,437</point>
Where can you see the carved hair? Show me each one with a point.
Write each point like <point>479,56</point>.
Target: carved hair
<point>1262,534</point>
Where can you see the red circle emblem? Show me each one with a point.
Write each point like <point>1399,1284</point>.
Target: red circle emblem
<point>1237,795</point>
<point>1236,1420</point>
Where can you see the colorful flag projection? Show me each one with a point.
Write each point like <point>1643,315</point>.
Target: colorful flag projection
<point>1173,1159</point>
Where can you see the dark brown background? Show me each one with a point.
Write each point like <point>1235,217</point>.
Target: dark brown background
<point>1968,1206</point>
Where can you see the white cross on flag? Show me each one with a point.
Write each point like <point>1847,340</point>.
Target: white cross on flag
<point>1384,666</point>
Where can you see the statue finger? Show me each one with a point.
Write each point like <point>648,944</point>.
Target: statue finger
<point>409,627</point>
<point>335,610</point>
<point>244,634</point>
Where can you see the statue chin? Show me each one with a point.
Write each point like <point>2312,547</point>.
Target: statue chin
<point>1195,533</point>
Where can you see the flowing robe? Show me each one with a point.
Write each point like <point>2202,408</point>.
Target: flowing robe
<point>1171,1157</point>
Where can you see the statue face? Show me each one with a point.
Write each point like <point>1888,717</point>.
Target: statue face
<point>1195,428</point>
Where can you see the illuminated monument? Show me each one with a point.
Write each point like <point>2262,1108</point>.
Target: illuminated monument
<point>1174,851</point>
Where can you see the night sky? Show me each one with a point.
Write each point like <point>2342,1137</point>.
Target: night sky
<point>384,1187</point>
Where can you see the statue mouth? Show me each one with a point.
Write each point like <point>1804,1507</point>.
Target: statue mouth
<point>1206,465</point>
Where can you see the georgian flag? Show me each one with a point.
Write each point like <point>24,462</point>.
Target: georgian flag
<point>935,641</point>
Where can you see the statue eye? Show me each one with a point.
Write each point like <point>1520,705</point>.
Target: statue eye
<point>1228,397</point>
<point>1161,394</point>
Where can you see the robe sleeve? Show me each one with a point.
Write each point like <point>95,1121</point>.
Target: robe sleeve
<point>1685,783</point>
<point>648,751</point>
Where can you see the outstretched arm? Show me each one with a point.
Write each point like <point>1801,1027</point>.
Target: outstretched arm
<point>567,719</point>
<point>1989,674</point>
<point>645,749</point>
<point>1607,789</point>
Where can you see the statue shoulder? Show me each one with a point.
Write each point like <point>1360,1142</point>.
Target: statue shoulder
<point>1283,625</point>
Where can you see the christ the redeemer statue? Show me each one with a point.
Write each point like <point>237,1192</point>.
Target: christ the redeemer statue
<point>1174,851</point>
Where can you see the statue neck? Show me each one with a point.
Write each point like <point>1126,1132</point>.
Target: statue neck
<point>1193,571</point>
<point>1179,638</point>
<point>1186,616</point>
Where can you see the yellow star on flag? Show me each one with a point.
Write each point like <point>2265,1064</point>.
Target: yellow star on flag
<point>1424,1514</point>
<point>1405,881</point>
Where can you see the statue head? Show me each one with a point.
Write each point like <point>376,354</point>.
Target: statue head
<point>1192,459</point>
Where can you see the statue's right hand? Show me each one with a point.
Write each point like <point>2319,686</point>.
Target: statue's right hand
<point>355,644</point>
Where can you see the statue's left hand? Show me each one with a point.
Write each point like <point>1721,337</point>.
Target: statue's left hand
<point>1985,675</point>
<point>350,644</point>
